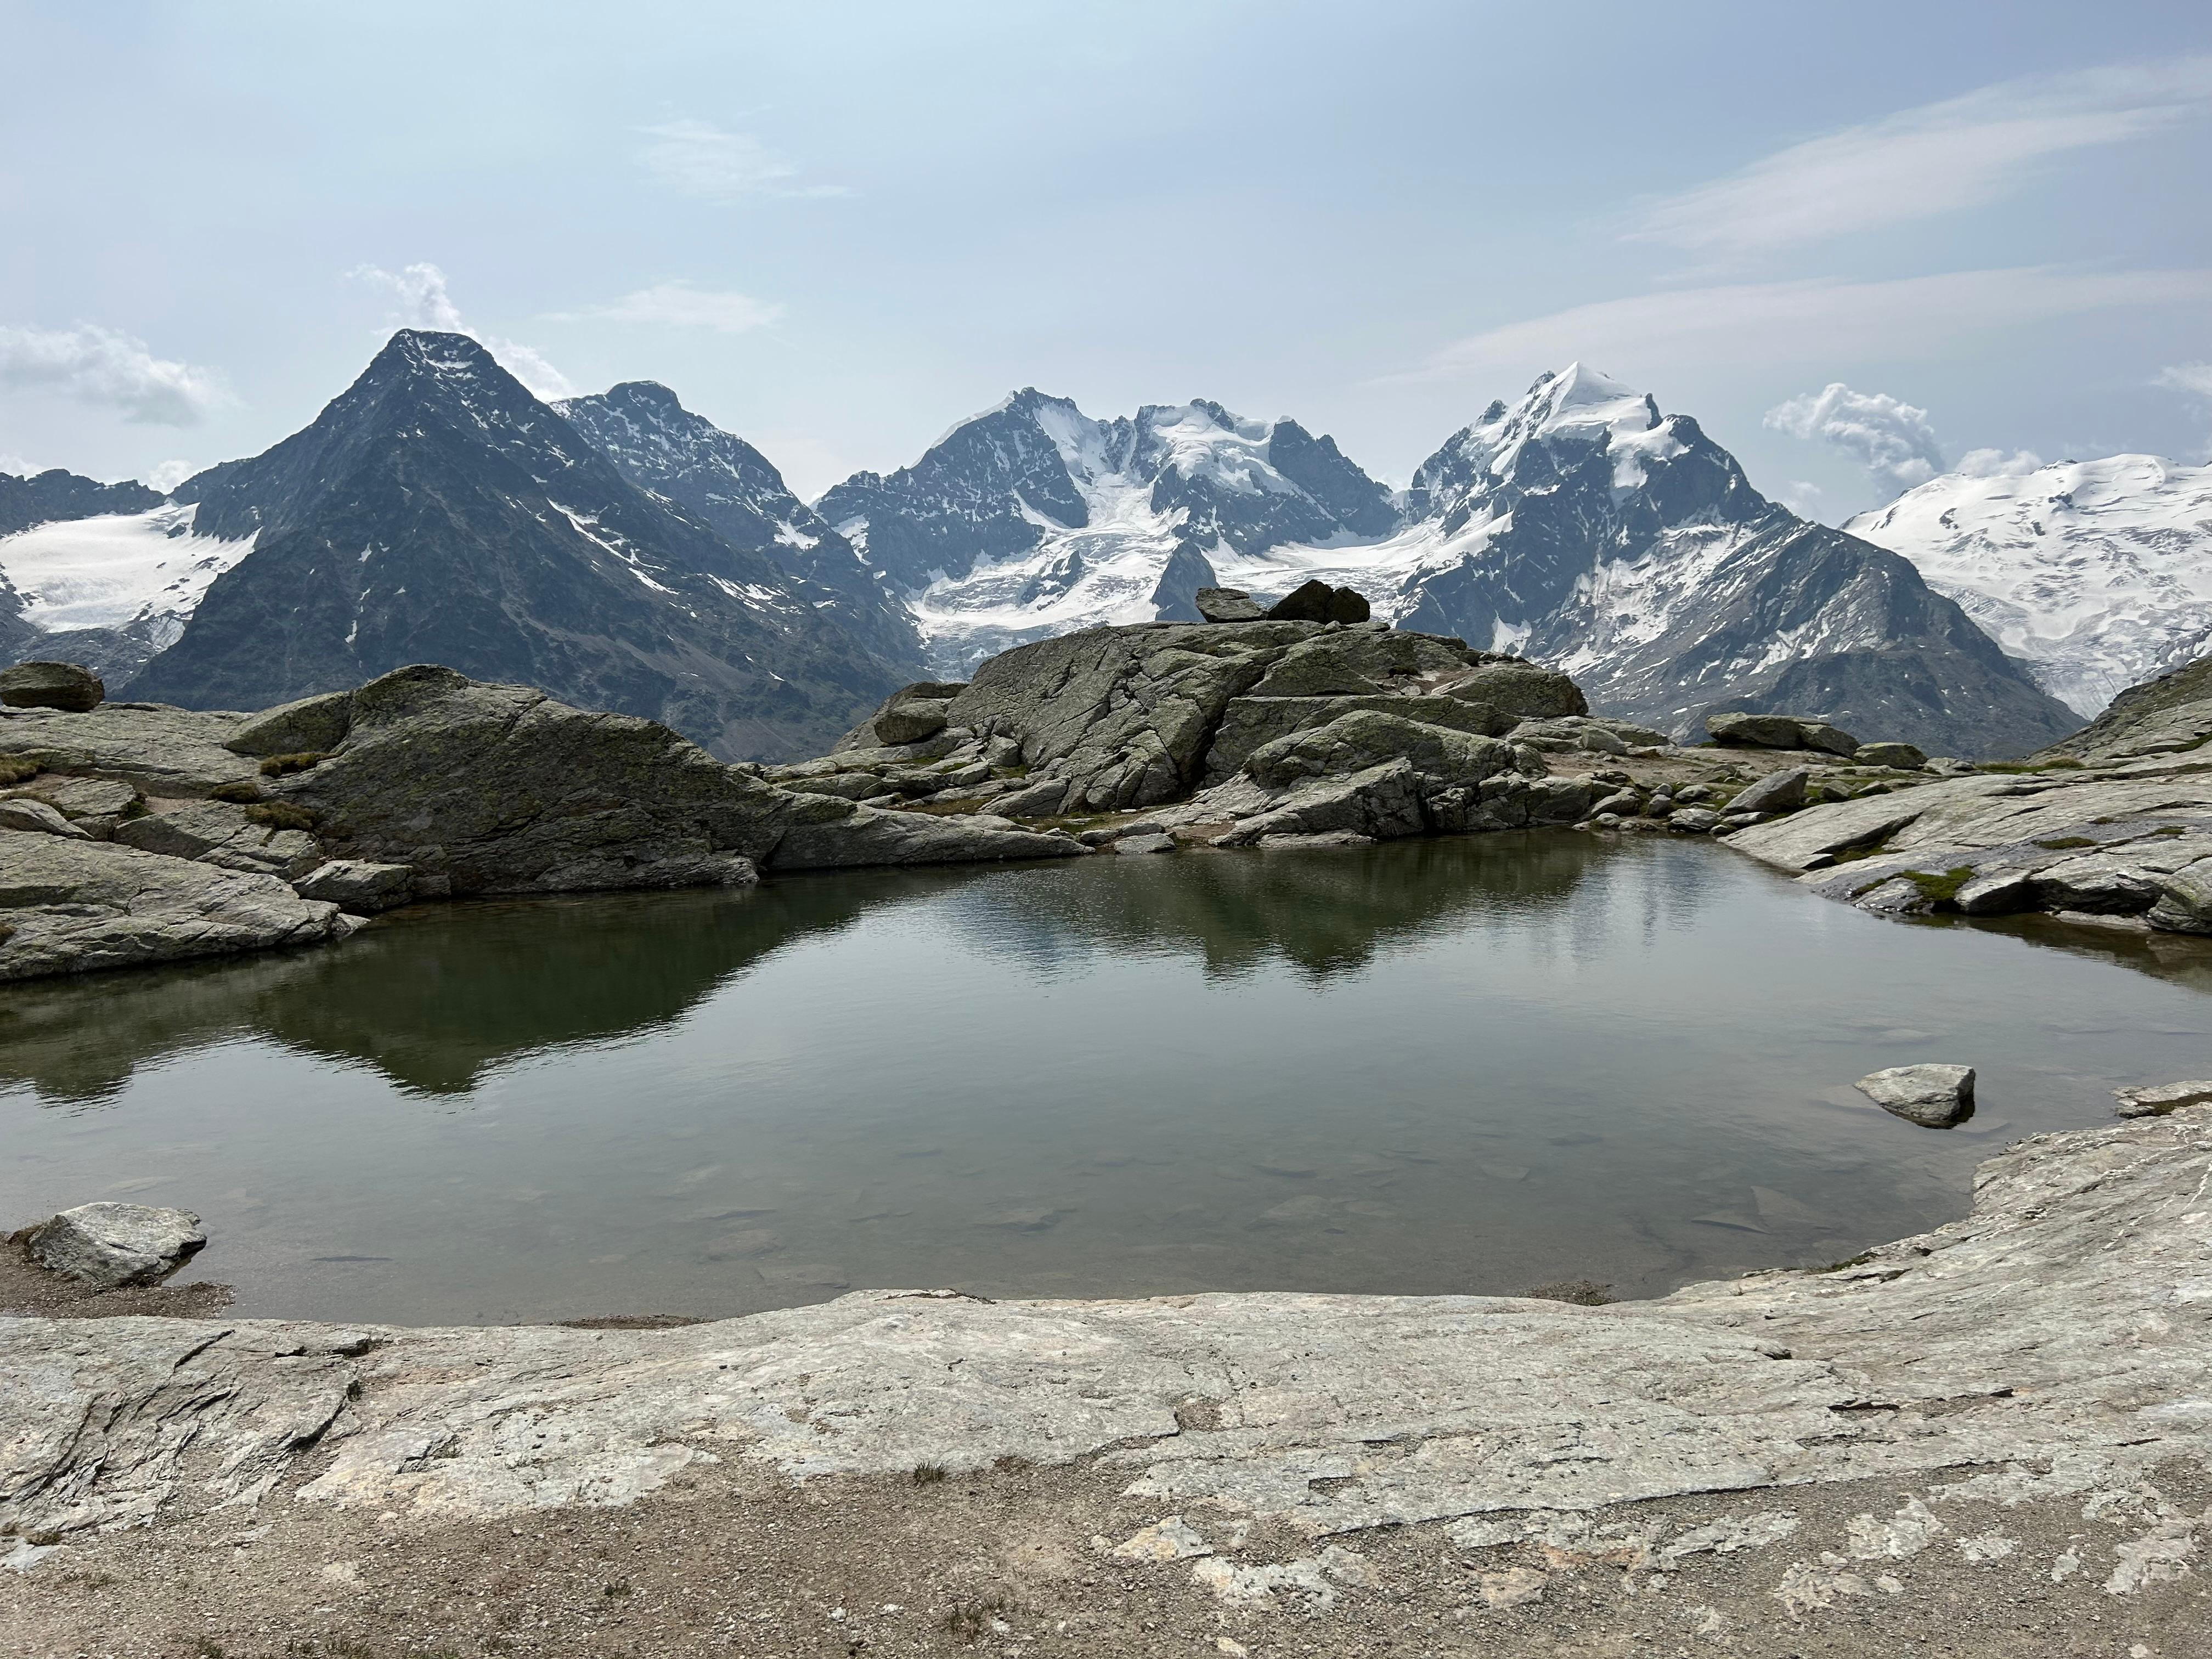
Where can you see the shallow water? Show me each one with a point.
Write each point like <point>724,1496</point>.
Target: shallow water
<point>1471,1064</point>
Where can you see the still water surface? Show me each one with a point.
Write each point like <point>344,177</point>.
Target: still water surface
<point>1473,1064</point>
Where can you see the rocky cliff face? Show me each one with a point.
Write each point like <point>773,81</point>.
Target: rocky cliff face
<point>728,485</point>
<point>437,511</point>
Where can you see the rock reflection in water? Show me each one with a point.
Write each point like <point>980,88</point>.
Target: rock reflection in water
<point>1475,1066</point>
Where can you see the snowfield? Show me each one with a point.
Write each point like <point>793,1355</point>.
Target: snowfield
<point>2098,573</point>
<point>116,570</point>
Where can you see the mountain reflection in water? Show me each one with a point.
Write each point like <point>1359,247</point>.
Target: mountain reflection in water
<point>1470,1065</point>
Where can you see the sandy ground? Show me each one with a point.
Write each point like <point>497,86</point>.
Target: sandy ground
<point>739,1561</point>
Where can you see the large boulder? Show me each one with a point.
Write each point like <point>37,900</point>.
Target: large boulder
<point>358,888</point>
<point>1368,737</point>
<point>1227,605</point>
<point>108,1246</point>
<point>1248,722</point>
<point>912,713</point>
<point>70,907</point>
<point>1934,1097</point>
<point>500,789</point>
<point>1316,601</point>
<point>65,685</point>
<point>1778,792</point>
<point>1746,730</point>
<point>1514,686</point>
<point>36,817</point>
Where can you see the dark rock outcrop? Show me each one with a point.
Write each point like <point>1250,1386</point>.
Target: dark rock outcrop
<point>65,685</point>
<point>54,495</point>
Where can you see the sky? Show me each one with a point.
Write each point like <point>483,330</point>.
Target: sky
<point>1862,244</point>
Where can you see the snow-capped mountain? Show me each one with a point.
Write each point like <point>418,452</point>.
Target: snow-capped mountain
<point>720,479</point>
<point>1032,518</point>
<point>437,512</point>
<point>2098,573</point>
<point>1579,524</point>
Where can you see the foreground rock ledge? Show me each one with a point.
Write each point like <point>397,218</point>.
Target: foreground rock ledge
<point>2055,1343</point>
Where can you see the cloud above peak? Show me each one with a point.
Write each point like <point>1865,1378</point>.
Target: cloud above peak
<point>1889,437</point>
<point>1918,164</point>
<point>699,159</point>
<point>422,299</point>
<point>106,367</point>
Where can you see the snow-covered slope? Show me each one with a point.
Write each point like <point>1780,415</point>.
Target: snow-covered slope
<point>111,590</point>
<point>117,570</point>
<point>1033,519</point>
<point>2098,573</point>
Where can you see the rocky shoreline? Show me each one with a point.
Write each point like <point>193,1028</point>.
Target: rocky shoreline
<point>1288,1457</point>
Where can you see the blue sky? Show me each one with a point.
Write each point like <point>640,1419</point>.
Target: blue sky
<point>837,228</point>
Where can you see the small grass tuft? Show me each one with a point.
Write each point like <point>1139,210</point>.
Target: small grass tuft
<point>2062,843</point>
<point>277,766</point>
<point>928,1475</point>
<point>1858,1260</point>
<point>1943,888</point>
<point>620,1587</point>
<point>240,792</point>
<point>2170,830</point>
<point>15,770</point>
<point>281,815</point>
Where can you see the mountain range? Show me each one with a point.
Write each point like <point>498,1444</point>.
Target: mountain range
<point>623,552</point>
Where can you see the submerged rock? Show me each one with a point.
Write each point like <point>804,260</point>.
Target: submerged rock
<point>2158,1099</point>
<point>1935,1096</point>
<point>108,1246</point>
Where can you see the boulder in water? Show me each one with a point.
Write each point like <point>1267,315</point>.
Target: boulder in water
<point>108,1246</point>
<point>1934,1097</point>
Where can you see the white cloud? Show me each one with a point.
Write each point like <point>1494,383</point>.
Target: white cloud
<point>166,476</point>
<point>1760,325</point>
<point>1888,437</point>
<point>697,158</point>
<point>1803,497</point>
<point>2195,378</point>
<point>17,465</point>
<point>95,365</point>
<point>424,302</point>
<point>1995,464</point>
<point>680,305</point>
<point>1939,158</point>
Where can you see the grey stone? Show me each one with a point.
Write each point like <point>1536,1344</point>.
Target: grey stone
<point>2184,901</point>
<point>2156,1100</point>
<point>222,833</point>
<point>1514,687</point>
<point>163,751</point>
<point>1156,841</point>
<point>67,686</point>
<point>1902,755</point>
<point>1778,792</point>
<point>873,836</point>
<point>1694,820</point>
<point>845,786</point>
<point>358,887</point>
<point>1367,738</point>
<point>2097,884</point>
<point>1382,802</point>
<point>108,1246</point>
<point>1250,721</point>
<point>1818,734</point>
<point>1045,799</point>
<point>1742,731</point>
<point>312,726</point>
<point>1227,605</point>
<point>1936,1097</point>
<point>1625,802</point>
<point>909,720</point>
<point>1319,841</point>
<point>73,906</point>
<point>37,818</point>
